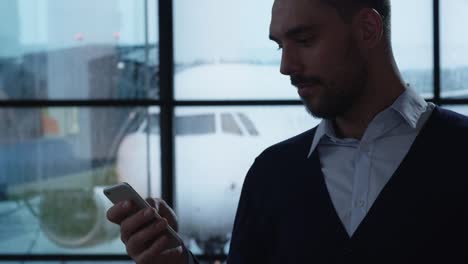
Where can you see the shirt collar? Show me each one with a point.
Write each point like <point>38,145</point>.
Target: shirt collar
<point>324,129</point>
<point>409,105</point>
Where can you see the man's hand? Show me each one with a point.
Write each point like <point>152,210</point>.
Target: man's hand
<point>145,236</point>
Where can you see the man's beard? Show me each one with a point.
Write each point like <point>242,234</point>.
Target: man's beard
<point>335,98</point>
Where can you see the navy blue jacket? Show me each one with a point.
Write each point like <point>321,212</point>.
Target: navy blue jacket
<point>285,214</point>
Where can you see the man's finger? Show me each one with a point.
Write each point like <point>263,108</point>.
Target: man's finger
<point>143,238</point>
<point>117,213</point>
<point>165,211</point>
<point>132,224</point>
<point>168,256</point>
<point>154,202</point>
<point>153,252</point>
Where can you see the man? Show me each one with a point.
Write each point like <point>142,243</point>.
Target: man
<point>380,180</point>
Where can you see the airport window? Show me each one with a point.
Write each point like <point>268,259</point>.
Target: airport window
<point>78,50</point>
<point>217,65</point>
<point>44,171</point>
<point>229,124</point>
<point>412,43</point>
<point>98,92</point>
<point>454,59</point>
<point>462,109</point>
<point>76,72</point>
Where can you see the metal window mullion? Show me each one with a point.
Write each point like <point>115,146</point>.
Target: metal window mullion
<point>436,31</point>
<point>238,103</point>
<point>142,102</point>
<point>146,89</point>
<point>90,257</point>
<point>64,257</point>
<point>166,93</point>
<point>76,103</point>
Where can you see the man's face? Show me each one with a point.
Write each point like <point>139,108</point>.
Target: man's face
<point>320,55</point>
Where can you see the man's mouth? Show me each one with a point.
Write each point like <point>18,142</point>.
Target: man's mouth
<point>306,89</point>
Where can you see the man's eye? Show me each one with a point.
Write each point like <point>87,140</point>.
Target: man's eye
<point>303,41</point>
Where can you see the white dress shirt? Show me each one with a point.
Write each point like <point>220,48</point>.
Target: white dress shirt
<point>356,171</point>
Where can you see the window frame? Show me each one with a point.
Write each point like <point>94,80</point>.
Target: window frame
<point>168,104</point>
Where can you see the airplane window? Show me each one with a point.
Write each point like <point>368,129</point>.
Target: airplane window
<point>248,124</point>
<point>229,125</point>
<point>195,124</point>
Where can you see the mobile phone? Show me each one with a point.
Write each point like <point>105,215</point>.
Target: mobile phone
<point>124,192</point>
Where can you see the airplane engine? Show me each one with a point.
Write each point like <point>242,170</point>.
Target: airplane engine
<point>76,218</point>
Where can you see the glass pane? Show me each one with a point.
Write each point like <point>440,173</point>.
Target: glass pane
<point>210,168</point>
<point>221,55</point>
<point>54,49</point>
<point>454,43</point>
<point>54,163</point>
<point>412,40</point>
<point>462,109</point>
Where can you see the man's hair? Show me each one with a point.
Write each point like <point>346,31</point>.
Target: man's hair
<point>348,8</point>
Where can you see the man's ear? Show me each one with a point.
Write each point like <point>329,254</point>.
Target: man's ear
<point>368,25</point>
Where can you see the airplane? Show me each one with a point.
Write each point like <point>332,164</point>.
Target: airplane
<point>214,146</point>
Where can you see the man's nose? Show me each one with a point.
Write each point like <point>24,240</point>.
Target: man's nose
<point>290,62</point>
